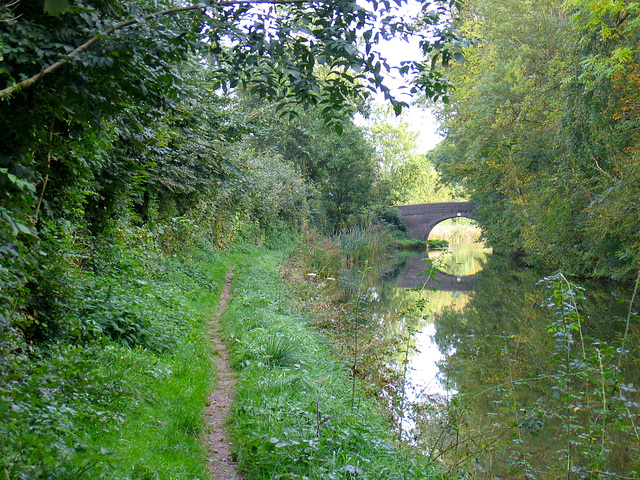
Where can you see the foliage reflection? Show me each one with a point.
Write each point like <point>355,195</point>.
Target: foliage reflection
<point>529,382</point>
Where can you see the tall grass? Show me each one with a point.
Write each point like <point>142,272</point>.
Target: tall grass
<point>457,232</point>
<point>294,414</point>
<point>360,245</point>
<point>332,257</point>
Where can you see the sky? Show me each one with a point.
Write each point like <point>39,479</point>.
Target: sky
<point>421,121</point>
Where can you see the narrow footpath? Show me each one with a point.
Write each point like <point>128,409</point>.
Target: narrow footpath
<point>221,464</point>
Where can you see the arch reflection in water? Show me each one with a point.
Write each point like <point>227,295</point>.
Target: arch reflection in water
<point>455,268</point>
<point>461,260</point>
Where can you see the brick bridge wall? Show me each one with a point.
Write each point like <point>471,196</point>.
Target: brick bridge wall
<point>422,217</point>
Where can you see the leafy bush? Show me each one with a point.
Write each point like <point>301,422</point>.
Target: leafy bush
<point>391,218</point>
<point>50,404</point>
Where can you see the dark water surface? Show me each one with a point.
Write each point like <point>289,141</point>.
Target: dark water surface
<point>499,379</point>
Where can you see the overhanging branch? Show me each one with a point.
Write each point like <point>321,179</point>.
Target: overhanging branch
<point>92,41</point>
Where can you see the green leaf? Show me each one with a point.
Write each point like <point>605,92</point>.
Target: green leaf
<point>56,7</point>
<point>22,228</point>
<point>18,182</point>
<point>165,80</point>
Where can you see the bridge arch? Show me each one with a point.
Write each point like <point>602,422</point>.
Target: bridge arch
<point>421,218</point>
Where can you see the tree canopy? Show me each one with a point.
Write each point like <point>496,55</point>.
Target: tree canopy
<point>542,131</point>
<point>112,108</point>
<point>271,47</point>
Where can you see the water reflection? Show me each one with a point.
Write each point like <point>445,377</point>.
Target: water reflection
<point>488,389</point>
<point>460,260</point>
<point>423,381</point>
<point>454,269</point>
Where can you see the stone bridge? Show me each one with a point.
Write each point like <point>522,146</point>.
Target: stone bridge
<point>421,218</point>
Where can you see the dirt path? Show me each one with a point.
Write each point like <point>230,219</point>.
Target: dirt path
<point>221,464</point>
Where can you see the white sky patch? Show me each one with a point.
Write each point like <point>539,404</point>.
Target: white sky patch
<point>421,120</point>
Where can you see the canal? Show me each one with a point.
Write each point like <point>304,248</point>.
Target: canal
<point>502,371</point>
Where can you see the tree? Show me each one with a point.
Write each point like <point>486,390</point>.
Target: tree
<point>410,175</point>
<point>274,47</point>
<point>601,130</point>
<point>342,169</point>
<point>70,66</point>
<point>93,94</point>
<point>541,132</point>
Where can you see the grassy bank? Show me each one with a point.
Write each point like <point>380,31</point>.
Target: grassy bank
<point>121,393</point>
<point>297,412</point>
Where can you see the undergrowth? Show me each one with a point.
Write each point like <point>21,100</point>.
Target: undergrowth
<point>118,389</point>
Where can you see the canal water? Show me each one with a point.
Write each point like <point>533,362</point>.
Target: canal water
<point>501,373</point>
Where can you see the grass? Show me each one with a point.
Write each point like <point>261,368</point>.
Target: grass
<point>97,404</point>
<point>161,427</point>
<point>160,436</point>
<point>103,404</point>
<point>415,244</point>
<point>294,415</point>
